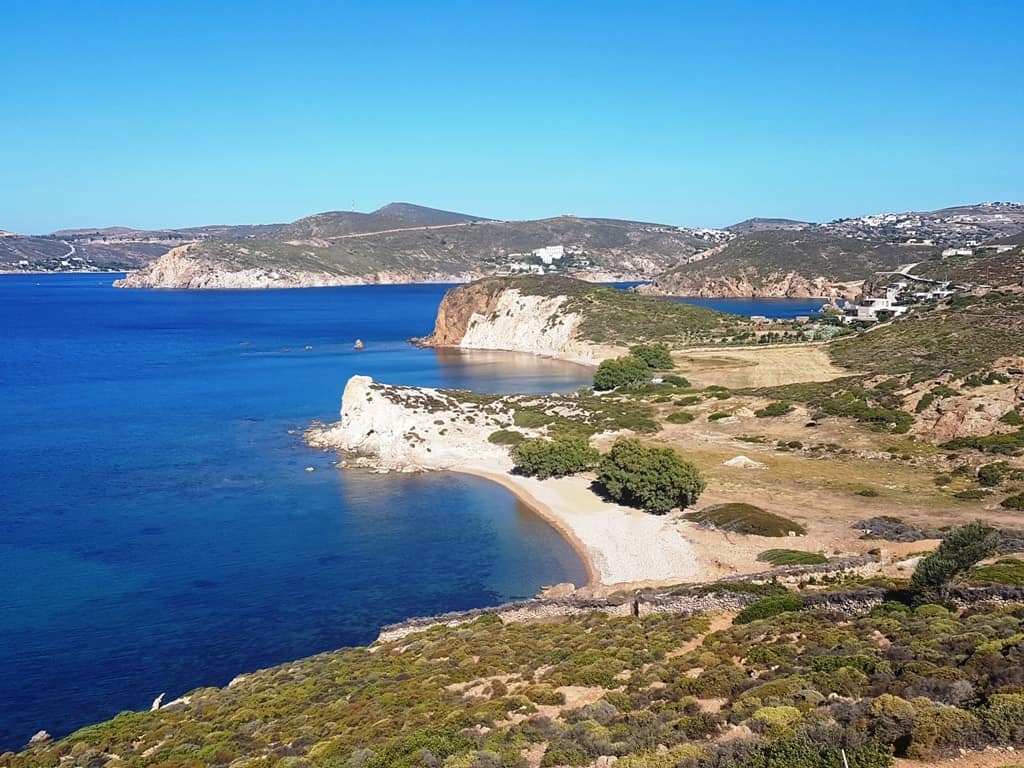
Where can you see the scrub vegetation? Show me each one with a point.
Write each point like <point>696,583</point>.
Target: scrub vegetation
<point>782,686</point>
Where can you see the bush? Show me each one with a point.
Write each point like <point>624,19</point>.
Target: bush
<point>676,381</point>
<point>1013,502</point>
<point>680,417</point>
<point>746,518</point>
<point>779,408</point>
<point>960,549</point>
<point>506,437</point>
<point>972,494</point>
<point>620,372</point>
<point>653,479</point>
<point>543,458</point>
<point>991,475</point>
<point>1005,571</point>
<point>1013,418</point>
<point>791,557</point>
<point>768,607</point>
<point>1004,717</point>
<point>654,356</point>
<point>719,415</point>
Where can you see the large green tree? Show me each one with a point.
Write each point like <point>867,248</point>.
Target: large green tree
<point>621,372</point>
<point>543,458</point>
<point>653,479</point>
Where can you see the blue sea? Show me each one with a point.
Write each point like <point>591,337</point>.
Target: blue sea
<point>158,530</point>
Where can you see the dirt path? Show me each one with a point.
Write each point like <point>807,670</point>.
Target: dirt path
<point>400,229</point>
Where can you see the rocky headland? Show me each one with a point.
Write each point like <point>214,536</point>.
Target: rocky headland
<point>187,267</point>
<point>503,314</point>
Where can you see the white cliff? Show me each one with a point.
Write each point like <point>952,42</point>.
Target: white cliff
<point>413,428</point>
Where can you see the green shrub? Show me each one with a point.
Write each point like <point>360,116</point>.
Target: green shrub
<point>926,400</point>
<point>654,479</point>
<point>530,419</point>
<point>680,417</point>
<point>689,400</point>
<point>1004,717</point>
<point>620,372</point>
<point>1013,418</point>
<point>768,607</point>
<point>991,475</point>
<point>543,694</point>
<point>543,458</point>
<point>1005,571</point>
<point>506,437</point>
<point>778,408</point>
<point>791,557</point>
<point>676,381</point>
<point>960,549</point>
<point>1009,444</point>
<point>972,494</point>
<point>719,415</point>
<point>1013,502</point>
<point>746,518</point>
<point>654,356</point>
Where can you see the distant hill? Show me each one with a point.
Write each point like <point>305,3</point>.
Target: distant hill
<point>404,243</point>
<point>784,263</point>
<point>391,216</point>
<point>766,225</point>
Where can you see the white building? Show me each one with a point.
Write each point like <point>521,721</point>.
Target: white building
<point>550,253</point>
<point>957,252</point>
<point>868,309</point>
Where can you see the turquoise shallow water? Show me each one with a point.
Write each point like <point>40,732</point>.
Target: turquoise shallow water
<point>158,531</point>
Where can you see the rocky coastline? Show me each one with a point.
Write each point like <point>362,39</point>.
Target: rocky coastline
<point>411,429</point>
<point>491,314</point>
<point>746,285</point>
<point>184,268</point>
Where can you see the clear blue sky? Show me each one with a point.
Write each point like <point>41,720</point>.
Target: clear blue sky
<point>181,113</point>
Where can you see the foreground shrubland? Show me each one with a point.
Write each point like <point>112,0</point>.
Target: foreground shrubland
<point>791,689</point>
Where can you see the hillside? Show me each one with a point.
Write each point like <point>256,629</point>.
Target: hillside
<point>661,691</point>
<point>104,253</point>
<point>803,263</point>
<point>758,224</point>
<point>336,249</point>
<point>983,268</point>
<point>569,318</point>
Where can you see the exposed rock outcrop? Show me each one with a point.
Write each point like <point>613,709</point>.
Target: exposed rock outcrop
<point>492,314</point>
<point>971,411</point>
<point>186,268</point>
<point>415,428</point>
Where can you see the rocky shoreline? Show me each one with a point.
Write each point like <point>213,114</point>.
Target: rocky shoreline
<point>410,429</point>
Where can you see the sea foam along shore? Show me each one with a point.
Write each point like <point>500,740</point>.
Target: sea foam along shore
<point>417,429</point>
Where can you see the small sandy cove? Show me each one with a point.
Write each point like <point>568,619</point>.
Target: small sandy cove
<point>617,545</point>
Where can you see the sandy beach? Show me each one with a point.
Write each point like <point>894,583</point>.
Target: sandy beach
<point>618,545</point>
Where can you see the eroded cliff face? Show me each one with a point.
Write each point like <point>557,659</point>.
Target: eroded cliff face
<point>746,284</point>
<point>492,315</point>
<point>415,428</point>
<point>185,268</point>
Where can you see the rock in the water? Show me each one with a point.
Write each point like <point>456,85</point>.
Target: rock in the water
<point>41,737</point>
<point>742,462</point>
<point>359,344</point>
